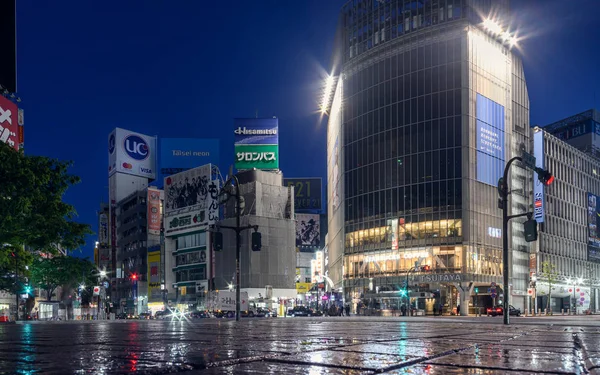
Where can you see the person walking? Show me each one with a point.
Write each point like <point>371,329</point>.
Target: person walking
<point>347,309</point>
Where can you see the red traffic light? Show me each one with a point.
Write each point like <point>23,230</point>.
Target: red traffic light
<point>544,176</point>
<point>134,276</point>
<point>425,268</point>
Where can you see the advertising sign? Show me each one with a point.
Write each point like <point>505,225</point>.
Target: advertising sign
<point>308,230</point>
<point>96,290</point>
<point>307,192</point>
<point>180,154</point>
<point>131,153</point>
<point>303,287</point>
<point>393,224</point>
<point>103,229</point>
<point>593,232</point>
<point>154,276</point>
<point>154,216</point>
<point>489,140</point>
<point>538,187</point>
<point>9,126</point>
<point>190,199</point>
<point>256,143</point>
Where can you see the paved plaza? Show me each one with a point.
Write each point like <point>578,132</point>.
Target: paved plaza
<point>341,345</point>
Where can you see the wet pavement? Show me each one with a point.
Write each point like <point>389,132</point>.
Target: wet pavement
<point>341,345</point>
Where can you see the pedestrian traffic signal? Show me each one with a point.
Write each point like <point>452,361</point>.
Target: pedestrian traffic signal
<point>403,292</point>
<point>256,241</point>
<point>476,290</point>
<point>530,228</point>
<point>217,241</point>
<point>27,289</point>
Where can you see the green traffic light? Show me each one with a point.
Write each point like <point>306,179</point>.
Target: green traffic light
<point>403,292</point>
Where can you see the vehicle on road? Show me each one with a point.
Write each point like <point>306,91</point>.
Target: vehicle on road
<point>303,311</point>
<point>499,310</point>
<point>145,316</point>
<point>266,313</point>
<point>199,315</point>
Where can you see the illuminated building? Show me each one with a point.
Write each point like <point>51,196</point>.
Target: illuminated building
<point>427,102</point>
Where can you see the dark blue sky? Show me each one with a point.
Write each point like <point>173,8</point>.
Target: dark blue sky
<point>187,68</point>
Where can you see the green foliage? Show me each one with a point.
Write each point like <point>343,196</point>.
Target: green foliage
<point>70,272</point>
<point>13,259</point>
<point>32,211</point>
<point>551,276</point>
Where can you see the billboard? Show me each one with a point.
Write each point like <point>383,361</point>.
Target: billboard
<point>308,230</point>
<point>8,45</point>
<point>180,154</point>
<point>593,232</point>
<point>256,143</point>
<point>393,232</point>
<point>538,187</point>
<point>489,140</point>
<point>9,124</point>
<point>103,228</point>
<point>154,276</point>
<point>308,193</point>
<point>190,199</point>
<point>153,215</point>
<point>131,153</point>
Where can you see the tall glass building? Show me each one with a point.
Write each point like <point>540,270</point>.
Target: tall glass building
<point>429,102</point>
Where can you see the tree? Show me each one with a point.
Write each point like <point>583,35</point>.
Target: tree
<point>69,272</point>
<point>14,261</point>
<point>551,276</point>
<point>32,211</point>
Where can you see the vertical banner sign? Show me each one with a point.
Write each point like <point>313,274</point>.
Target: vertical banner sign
<point>154,276</point>
<point>394,233</point>
<point>489,140</point>
<point>103,229</point>
<point>9,126</point>
<point>256,143</point>
<point>153,211</point>
<point>538,187</point>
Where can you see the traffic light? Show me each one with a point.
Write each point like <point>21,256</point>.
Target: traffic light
<point>544,176</point>
<point>425,268</point>
<point>476,290</point>
<point>134,276</point>
<point>403,292</point>
<point>27,289</point>
<point>218,241</point>
<point>256,241</point>
<point>530,228</point>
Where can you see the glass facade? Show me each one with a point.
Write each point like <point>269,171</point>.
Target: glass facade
<point>426,120</point>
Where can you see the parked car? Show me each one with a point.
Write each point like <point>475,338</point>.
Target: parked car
<point>314,312</point>
<point>266,313</point>
<point>300,311</point>
<point>499,310</point>
<point>160,314</point>
<point>199,315</point>
<point>145,316</point>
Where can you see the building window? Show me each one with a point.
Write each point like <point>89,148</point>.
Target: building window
<point>191,240</point>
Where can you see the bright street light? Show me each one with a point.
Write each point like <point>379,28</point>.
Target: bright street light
<point>102,273</point>
<point>568,281</point>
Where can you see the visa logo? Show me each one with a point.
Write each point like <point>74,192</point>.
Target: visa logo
<point>146,170</point>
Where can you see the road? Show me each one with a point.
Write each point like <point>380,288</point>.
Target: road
<point>340,345</point>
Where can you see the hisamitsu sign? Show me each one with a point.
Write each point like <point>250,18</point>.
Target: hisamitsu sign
<point>256,143</point>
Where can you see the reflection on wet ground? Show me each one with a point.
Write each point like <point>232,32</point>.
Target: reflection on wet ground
<point>298,346</point>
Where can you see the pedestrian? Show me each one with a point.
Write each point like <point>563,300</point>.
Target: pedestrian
<point>434,310</point>
<point>457,309</point>
<point>341,310</point>
<point>347,309</point>
<point>403,310</point>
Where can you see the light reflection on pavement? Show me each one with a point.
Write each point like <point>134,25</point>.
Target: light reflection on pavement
<point>300,346</point>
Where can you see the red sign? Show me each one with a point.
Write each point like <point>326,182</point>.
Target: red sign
<point>154,211</point>
<point>9,126</point>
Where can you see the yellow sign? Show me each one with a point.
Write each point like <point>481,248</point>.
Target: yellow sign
<point>303,287</point>
<point>154,293</point>
<point>182,290</point>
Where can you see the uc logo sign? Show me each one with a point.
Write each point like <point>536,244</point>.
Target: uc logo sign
<point>136,147</point>
<point>111,144</point>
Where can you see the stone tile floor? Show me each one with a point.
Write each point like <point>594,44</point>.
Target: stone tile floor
<point>341,345</point>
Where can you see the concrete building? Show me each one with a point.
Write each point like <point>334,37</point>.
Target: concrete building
<point>569,239</point>
<point>581,131</point>
<point>428,102</point>
<point>267,275</point>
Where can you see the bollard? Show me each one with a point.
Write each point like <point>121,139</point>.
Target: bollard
<point>568,311</point>
<point>562,311</point>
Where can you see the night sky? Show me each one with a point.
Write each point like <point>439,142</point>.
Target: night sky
<point>187,68</point>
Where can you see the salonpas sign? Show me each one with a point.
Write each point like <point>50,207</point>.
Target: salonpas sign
<point>256,156</point>
<point>256,143</point>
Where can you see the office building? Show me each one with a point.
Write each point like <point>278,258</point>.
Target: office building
<point>428,102</point>
<point>267,275</point>
<point>581,131</point>
<point>569,240</point>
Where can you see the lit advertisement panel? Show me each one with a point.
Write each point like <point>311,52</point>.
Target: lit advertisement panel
<point>180,154</point>
<point>538,187</point>
<point>593,232</point>
<point>131,153</point>
<point>9,125</point>
<point>308,230</point>
<point>153,215</point>
<point>256,143</point>
<point>490,140</point>
<point>307,193</point>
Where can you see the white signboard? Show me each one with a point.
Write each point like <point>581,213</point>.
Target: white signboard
<point>131,153</point>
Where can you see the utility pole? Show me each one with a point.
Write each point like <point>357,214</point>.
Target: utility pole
<point>17,284</point>
<point>223,197</point>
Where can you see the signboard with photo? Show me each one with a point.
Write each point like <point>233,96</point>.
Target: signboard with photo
<point>190,199</point>
<point>307,193</point>
<point>308,230</point>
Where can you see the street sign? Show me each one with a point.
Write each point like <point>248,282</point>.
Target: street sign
<point>493,284</point>
<point>96,290</point>
<point>528,159</point>
<point>493,295</point>
<point>531,292</point>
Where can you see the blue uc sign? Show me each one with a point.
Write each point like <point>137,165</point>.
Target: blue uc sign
<point>136,147</point>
